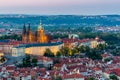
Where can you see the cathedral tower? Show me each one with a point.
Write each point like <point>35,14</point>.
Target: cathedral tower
<point>24,34</point>
<point>41,37</point>
<point>30,36</point>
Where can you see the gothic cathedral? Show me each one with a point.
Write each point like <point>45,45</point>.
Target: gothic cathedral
<point>39,36</point>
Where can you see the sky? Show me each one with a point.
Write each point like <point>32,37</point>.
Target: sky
<point>60,7</point>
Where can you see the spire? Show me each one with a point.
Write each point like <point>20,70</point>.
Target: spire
<point>40,22</point>
<point>24,29</point>
<point>28,29</point>
<point>40,25</point>
<point>28,26</point>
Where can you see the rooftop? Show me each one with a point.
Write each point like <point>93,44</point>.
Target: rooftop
<point>39,44</point>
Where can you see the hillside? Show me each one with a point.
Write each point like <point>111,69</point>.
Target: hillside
<point>55,21</point>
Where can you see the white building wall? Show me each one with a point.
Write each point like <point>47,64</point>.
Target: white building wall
<point>16,52</point>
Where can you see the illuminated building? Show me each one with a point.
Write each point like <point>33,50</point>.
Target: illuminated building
<point>71,43</point>
<point>24,35</point>
<point>1,54</point>
<point>35,44</point>
<point>30,36</point>
<point>36,48</point>
<point>39,36</point>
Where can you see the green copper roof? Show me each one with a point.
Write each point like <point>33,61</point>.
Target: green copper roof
<point>40,25</point>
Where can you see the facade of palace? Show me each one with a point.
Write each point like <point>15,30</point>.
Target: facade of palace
<point>36,48</point>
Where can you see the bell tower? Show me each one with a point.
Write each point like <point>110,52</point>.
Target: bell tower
<point>41,37</point>
<point>24,34</point>
<point>30,36</point>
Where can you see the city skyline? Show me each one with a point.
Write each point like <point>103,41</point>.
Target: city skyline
<point>60,7</point>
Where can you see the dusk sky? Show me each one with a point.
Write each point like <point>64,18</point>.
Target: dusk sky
<point>60,7</point>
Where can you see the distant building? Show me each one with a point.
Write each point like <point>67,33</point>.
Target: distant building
<point>73,36</point>
<point>45,61</point>
<point>1,54</point>
<point>7,45</point>
<point>18,51</point>
<point>71,43</point>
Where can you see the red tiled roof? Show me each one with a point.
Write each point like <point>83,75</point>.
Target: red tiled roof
<point>42,58</point>
<point>10,68</point>
<point>73,76</point>
<point>117,71</point>
<point>96,69</point>
<point>58,65</point>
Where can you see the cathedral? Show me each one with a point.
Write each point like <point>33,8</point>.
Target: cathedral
<point>39,36</point>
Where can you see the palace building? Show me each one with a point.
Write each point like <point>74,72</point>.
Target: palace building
<point>36,48</point>
<point>35,43</point>
<point>39,36</point>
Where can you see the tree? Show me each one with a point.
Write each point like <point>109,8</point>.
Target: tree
<point>2,59</point>
<point>13,36</point>
<point>34,61</point>
<point>59,54</point>
<point>58,78</point>
<point>113,77</point>
<point>75,50</point>
<point>48,53</point>
<point>65,51</point>
<point>93,54</point>
<point>26,61</point>
<point>101,46</point>
<point>108,59</point>
<point>84,49</point>
<point>91,78</point>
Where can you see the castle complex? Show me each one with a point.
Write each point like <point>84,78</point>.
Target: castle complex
<point>39,36</point>
<point>35,43</point>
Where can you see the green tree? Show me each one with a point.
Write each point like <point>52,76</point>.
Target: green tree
<point>75,50</point>
<point>24,62</point>
<point>93,54</point>
<point>91,78</point>
<point>65,51</point>
<point>113,77</point>
<point>59,54</point>
<point>48,53</point>
<point>2,59</point>
<point>58,78</point>
<point>27,61</point>
<point>34,61</point>
<point>84,49</point>
<point>101,46</point>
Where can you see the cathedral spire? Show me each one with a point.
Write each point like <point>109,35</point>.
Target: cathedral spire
<point>24,38</point>
<point>28,26</point>
<point>40,22</point>
<point>40,25</point>
<point>24,29</point>
<point>28,29</point>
